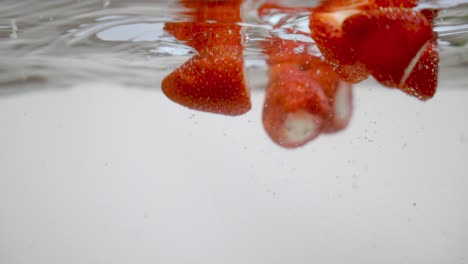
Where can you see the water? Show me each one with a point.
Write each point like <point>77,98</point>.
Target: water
<point>62,43</point>
<point>95,170</point>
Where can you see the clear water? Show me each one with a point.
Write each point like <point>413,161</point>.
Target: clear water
<point>104,173</point>
<point>60,43</point>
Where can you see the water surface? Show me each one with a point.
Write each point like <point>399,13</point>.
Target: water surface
<point>61,43</point>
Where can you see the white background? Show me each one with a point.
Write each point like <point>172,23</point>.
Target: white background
<point>106,174</point>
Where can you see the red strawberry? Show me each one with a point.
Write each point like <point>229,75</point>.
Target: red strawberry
<point>420,79</point>
<point>387,41</point>
<point>204,36</point>
<point>295,106</point>
<point>271,7</point>
<point>326,30</point>
<point>214,80</point>
<point>304,95</point>
<point>430,14</point>
<point>212,83</point>
<point>339,94</point>
<point>396,3</point>
<point>338,5</point>
<point>395,43</point>
<point>221,11</point>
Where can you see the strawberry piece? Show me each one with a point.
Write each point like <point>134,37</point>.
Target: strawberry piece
<point>326,29</point>
<point>214,79</point>
<point>295,106</point>
<point>204,36</point>
<point>378,35</point>
<point>339,5</point>
<point>396,3</point>
<point>420,79</point>
<point>304,96</point>
<point>271,7</point>
<point>219,11</point>
<point>430,15</point>
<point>340,97</point>
<point>213,83</point>
<point>384,37</point>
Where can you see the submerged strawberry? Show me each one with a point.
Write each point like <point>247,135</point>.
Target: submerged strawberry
<point>421,75</point>
<point>396,3</point>
<point>304,96</point>
<point>294,107</point>
<point>326,25</point>
<point>387,40</point>
<point>214,80</point>
<point>272,7</point>
<point>213,83</point>
<point>383,37</point>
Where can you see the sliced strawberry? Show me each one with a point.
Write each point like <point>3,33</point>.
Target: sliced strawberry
<point>337,5</point>
<point>326,30</point>
<point>420,79</point>
<point>295,106</point>
<point>331,6</point>
<point>304,95</point>
<point>212,83</point>
<point>396,3</point>
<point>340,97</point>
<point>204,36</point>
<point>387,40</point>
<point>214,80</point>
<point>272,7</point>
<point>219,11</point>
<point>430,14</point>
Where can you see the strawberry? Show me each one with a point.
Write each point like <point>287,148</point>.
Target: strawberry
<point>340,96</point>
<point>214,79</point>
<point>220,11</point>
<point>378,35</point>
<point>213,83</point>
<point>304,96</point>
<point>204,36</point>
<point>430,15</point>
<point>295,106</point>
<point>270,7</point>
<point>326,25</point>
<point>420,79</point>
<point>396,3</point>
<point>340,5</point>
<point>383,37</point>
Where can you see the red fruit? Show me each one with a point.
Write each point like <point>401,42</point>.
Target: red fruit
<point>295,106</point>
<point>327,31</point>
<point>420,79</point>
<point>337,5</point>
<point>204,36</point>
<point>339,94</point>
<point>430,14</point>
<point>396,3</point>
<point>213,83</point>
<point>387,40</point>
<point>213,80</point>
<point>331,6</point>
<point>271,7</point>
<point>304,96</point>
<point>221,11</point>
